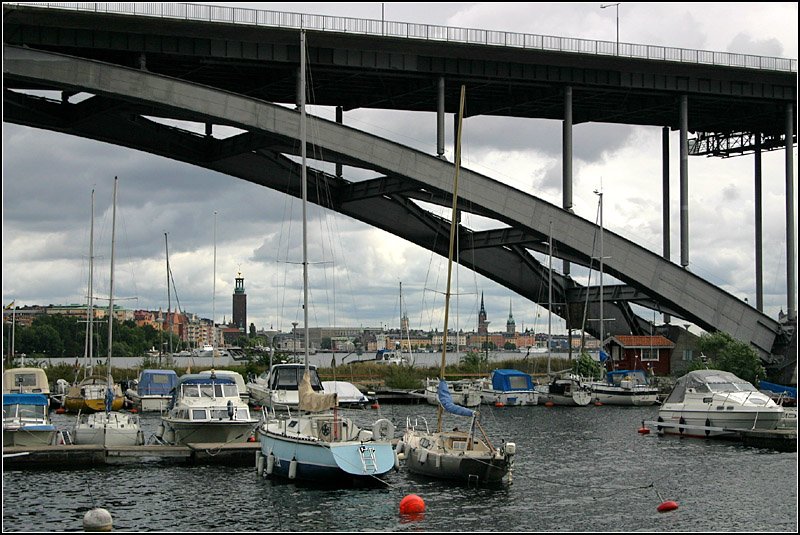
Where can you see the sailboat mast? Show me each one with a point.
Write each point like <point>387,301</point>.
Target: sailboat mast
<point>214,289</point>
<point>602,318</point>
<point>303,177</point>
<point>90,302</point>
<point>111,281</point>
<point>453,230</point>
<point>549,296</point>
<point>169,295</point>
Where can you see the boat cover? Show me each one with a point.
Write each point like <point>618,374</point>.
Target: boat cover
<point>197,379</point>
<point>25,399</point>
<point>156,382</point>
<point>507,380</point>
<point>706,381</point>
<point>787,391</point>
<point>314,401</point>
<point>447,401</point>
<point>637,376</point>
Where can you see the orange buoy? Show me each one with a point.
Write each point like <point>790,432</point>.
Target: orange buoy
<point>251,438</point>
<point>598,403</point>
<point>412,504</point>
<point>644,430</point>
<point>376,406</point>
<point>668,505</point>
<point>549,404</point>
<point>134,410</point>
<point>499,404</point>
<point>61,410</point>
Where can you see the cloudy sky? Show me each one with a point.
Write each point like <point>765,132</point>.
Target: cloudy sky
<point>357,271</point>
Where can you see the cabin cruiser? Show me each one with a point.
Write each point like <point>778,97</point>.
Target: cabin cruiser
<point>509,388</point>
<point>624,387</point>
<point>25,380</point>
<point>237,377</point>
<point>26,421</point>
<point>153,390</point>
<point>708,403</point>
<point>280,385</point>
<point>566,390</point>
<point>206,408</point>
<point>348,395</point>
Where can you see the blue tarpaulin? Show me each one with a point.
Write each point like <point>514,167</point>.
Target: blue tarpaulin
<point>787,391</point>
<point>447,401</point>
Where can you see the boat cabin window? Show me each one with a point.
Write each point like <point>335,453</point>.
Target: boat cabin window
<point>518,382</point>
<point>24,411</point>
<point>25,379</point>
<point>460,445</point>
<point>289,379</point>
<point>199,414</point>
<point>731,387</point>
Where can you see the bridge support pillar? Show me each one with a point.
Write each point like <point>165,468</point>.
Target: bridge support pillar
<point>665,226</point>
<point>566,158</point>
<point>791,259</point>
<point>758,224</point>
<point>339,119</point>
<point>684,179</point>
<point>440,119</point>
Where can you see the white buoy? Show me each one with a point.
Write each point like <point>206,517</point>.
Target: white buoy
<point>97,519</point>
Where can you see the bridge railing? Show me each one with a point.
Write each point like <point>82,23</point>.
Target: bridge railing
<point>429,32</point>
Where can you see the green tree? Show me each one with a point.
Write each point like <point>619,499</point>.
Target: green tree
<point>586,366</point>
<point>725,353</point>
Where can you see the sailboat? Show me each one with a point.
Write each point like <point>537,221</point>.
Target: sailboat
<point>457,454</point>
<point>89,395</point>
<point>316,443</point>
<point>564,388</point>
<point>109,427</point>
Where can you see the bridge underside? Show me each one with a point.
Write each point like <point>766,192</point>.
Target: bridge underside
<point>123,101</point>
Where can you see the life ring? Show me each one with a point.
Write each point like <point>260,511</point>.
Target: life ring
<point>382,429</point>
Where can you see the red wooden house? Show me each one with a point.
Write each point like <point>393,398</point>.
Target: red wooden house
<point>628,352</point>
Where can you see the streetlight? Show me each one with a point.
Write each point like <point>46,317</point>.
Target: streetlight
<point>603,6</point>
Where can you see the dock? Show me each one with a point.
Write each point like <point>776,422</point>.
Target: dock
<point>780,439</point>
<point>76,456</point>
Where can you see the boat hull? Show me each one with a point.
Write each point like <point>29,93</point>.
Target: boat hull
<point>109,429</point>
<point>29,435</point>
<point>610,395</point>
<point>728,420</point>
<point>216,431</point>
<point>510,398</point>
<point>326,462</point>
<point>151,403</point>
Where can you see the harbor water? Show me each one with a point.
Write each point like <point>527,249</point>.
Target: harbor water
<point>577,469</point>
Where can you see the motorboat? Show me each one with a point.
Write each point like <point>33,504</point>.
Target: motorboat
<point>708,403</point>
<point>508,387</point>
<point>464,392</point>
<point>206,408</point>
<point>624,387</point>
<point>280,386</point>
<point>25,380</point>
<point>26,421</point>
<point>237,377</point>
<point>153,390</point>
<point>348,395</point>
<point>565,390</point>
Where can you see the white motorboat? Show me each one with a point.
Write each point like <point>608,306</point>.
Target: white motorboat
<point>206,408</point>
<point>708,403</point>
<point>566,390</point>
<point>280,386</point>
<point>624,387</point>
<point>347,394</point>
<point>465,393</point>
<point>26,421</point>
<point>153,390</point>
<point>509,388</point>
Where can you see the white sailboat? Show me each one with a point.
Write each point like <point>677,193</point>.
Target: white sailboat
<point>458,454</point>
<point>565,388</point>
<point>109,427</point>
<point>316,443</point>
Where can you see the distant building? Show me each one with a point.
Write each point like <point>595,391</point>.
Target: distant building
<point>240,305</point>
<point>511,326</point>
<point>483,324</point>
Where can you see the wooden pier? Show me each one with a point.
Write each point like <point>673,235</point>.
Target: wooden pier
<point>77,456</point>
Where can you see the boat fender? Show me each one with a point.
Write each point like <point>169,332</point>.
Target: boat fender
<point>423,456</point>
<point>382,429</point>
<point>658,427</point>
<point>682,422</point>
<point>293,469</point>
<point>510,448</point>
<point>230,409</point>
<point>400,446</point>
<point>708,424</point>
<point>259,463</point>
<point>270,464</point>
<point>436,458</point>
<point>396,462</point>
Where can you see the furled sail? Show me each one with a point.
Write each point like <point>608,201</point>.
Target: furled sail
<point>313,401</point>
<point>447,401</point>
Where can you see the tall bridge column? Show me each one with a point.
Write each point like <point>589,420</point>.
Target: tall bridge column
<point>791,266</point>
<point>684,185</point>
<point>339,120</point>
<point>665,226</point>
<point>758,224</point>
<point>440,119</point>
<point>566,158</point>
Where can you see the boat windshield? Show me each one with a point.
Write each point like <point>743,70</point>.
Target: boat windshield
<point>24,411</point>
<point>289,379</point>
<point>210,390</point>
<point>731,387</point>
